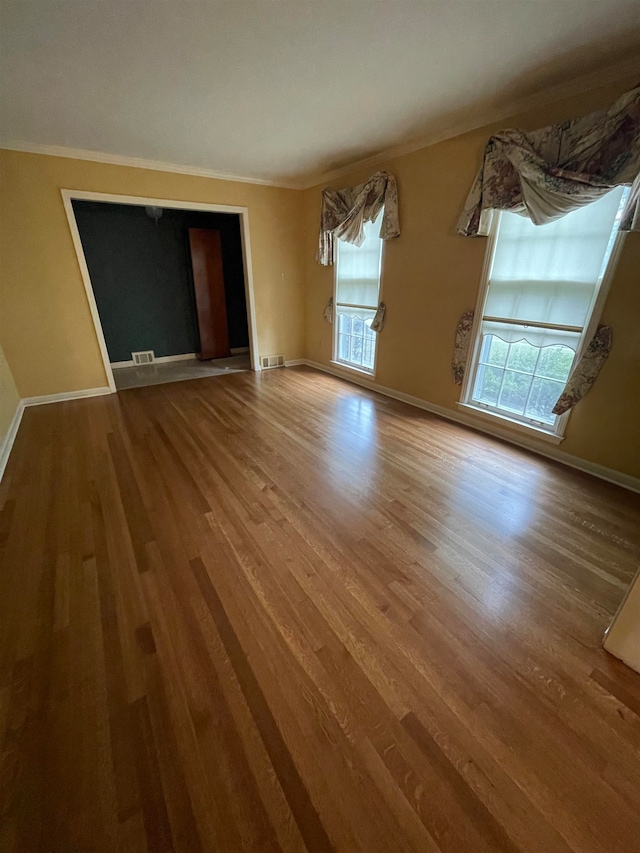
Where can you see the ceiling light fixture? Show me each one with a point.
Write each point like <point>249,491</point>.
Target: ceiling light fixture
<point>154,213</point>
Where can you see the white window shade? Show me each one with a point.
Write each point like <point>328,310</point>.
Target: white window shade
<point>549,273</point>
<point>358,269</point>
<point>558,303</point>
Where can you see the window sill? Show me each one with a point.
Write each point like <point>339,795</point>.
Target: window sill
<point>502,420</point>
<point>345,366</point>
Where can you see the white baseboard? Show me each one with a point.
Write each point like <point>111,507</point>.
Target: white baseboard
<point>7,443</point>
<point>165,359</point>
<point>65,395</point>
<point>160,359</point>
<point>238,350</point>
<point>10,437</point>
<point>600,471</point>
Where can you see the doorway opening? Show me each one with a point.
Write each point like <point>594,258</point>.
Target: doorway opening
<point>169,286</point>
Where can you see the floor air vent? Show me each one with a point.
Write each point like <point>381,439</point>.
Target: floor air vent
<point>146,357</point>
<point>268,361</point>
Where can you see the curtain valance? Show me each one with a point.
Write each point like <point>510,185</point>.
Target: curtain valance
<point>345,211</point>
<point>549,172</point>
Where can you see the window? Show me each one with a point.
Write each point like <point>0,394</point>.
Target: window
<point>357,293</point>
<point>542,286</point>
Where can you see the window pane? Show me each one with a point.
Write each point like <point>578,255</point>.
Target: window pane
<point>522,356</point>
<point>488,385</point>
<point>496,352</point>
<point>555,362</point>
<point>344,324</point>
<point>358,347</point>
<point>543,397</point>
<point>536,382</point>
<point>343,347</point>
<point>515,389</point>
<point>355,354</point>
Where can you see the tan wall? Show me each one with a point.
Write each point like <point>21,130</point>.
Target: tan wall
<point>431,275</point>
<point>46,327</point>
<point>9,397</point>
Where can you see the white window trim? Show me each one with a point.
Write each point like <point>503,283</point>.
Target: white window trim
<point>334,359</point>
<point>553,434</point>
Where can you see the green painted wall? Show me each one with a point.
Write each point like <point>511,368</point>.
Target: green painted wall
<point>141,277</point>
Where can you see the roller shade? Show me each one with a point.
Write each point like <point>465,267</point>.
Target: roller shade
<point>563,303</point>
<point>549,273</point>
<point>358,271</point>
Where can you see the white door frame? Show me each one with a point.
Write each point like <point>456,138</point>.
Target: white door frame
<point>84,195</point>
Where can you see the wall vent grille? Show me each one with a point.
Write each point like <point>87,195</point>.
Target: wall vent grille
<point>269,361</point>
<point>146,357</point>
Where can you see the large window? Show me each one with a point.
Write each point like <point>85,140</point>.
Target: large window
<point>542,287</point>
<point>357,293</point>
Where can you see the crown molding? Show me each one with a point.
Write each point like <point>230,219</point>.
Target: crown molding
<point>140,163</point>
<point>577,86</point>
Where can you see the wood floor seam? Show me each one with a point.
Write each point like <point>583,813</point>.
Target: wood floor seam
<point>277,613</point>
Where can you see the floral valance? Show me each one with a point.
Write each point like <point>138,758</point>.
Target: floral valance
<point>549,172</point>
<point>345,211</point>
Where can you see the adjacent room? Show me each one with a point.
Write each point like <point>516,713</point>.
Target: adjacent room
<point>320,426</point>
<point>169,289</point>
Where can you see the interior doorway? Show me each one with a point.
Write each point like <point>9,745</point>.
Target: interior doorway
<point>169,286</point>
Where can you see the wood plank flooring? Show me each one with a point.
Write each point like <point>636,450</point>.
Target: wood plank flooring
<point>280,613</point>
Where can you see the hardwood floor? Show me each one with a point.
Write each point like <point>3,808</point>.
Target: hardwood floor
<point>278,612</point>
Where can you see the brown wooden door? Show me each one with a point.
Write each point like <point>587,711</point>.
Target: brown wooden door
<point>208,280</point>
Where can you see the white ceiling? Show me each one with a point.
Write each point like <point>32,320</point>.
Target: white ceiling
<point>284,90</point>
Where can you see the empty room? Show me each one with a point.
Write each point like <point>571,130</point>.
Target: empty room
<point>320,426</point>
